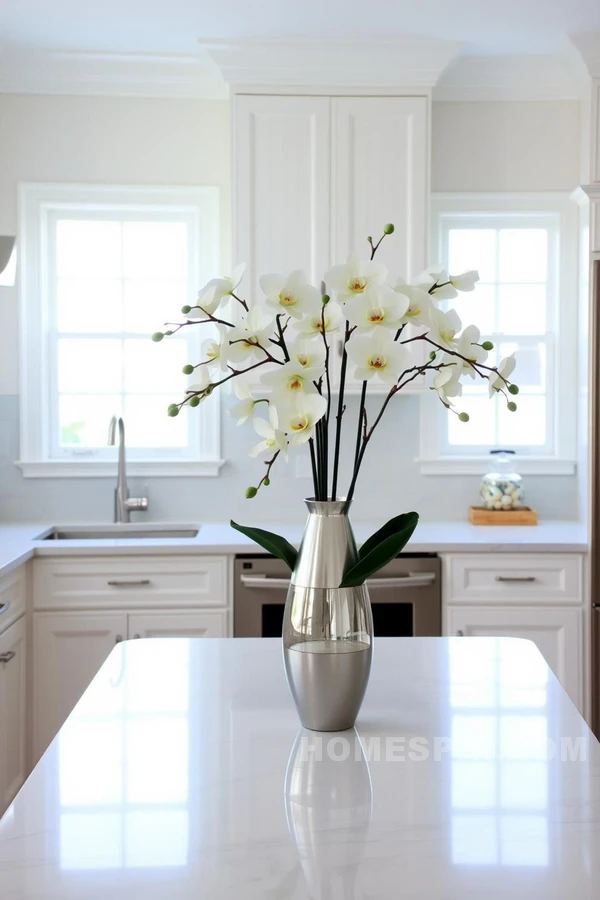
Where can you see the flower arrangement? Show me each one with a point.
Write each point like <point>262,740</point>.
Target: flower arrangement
<point>287,339</point>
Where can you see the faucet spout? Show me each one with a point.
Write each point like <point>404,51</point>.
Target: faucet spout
<point>124,504</point>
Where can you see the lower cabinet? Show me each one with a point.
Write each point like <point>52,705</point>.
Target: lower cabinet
<point>557,632</point>
<point>69,648</point>
<point>13,711</point>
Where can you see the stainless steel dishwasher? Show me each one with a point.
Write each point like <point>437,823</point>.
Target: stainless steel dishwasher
<point>405,596</point>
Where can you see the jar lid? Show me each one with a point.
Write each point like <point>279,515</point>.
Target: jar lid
<point>508,452</point>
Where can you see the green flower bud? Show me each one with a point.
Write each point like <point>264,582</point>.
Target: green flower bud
<point>370,239</point>
<point>173,410</point>
<point>513,389</point>
<point>157,336</point>
<point>487,345</point>
<point>208,390</point>
<point>188,369</point>
<point>463,417</point>
<point>195,400</point>
<point>325,299</point>
<point>250,493</point>
<point>266,482</point>
<point>388,229</point>
<point>168,332</point>
<point>432,355</point>
<point>186,309</point>
<point>511,406</point>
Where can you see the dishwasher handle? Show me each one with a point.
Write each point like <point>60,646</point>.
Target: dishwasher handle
<point>411,579</point>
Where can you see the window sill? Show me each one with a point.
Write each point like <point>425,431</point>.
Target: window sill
<point>108,469</point>
<point>478,465</point>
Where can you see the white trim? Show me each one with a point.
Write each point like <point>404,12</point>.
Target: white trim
<point>434,459</point>
<point>27,71</point>
<point>103,469</point>
<point>36,203</point>
<point>505,78</point>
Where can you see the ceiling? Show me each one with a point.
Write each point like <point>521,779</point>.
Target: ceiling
<point>484,27</point>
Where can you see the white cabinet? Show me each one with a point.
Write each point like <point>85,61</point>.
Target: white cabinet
<point>178,623</point>
<point>557,632</point>
<point>315,175</point>
<point>13,711</point>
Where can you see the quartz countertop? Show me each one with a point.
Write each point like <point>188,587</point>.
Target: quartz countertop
<point>183,773</point>
<point>18,543</point>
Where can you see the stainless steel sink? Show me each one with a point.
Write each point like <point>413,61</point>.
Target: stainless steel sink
<point>117,532</point>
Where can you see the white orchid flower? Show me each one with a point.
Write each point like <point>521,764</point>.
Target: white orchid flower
<point>273,438</point>
<point>418,311</point>
<point>378,354</point>
<point>298,417</point>
<point>307,353</point>
<point>377,306</point>
<point>466,281</point>
<point>216,349</point>
<point>212,294</point>
<point>202,381</point>
<point>447,384</point>
<point>505,369</point>
<point>287,380</point>
<point>293,295</point>
<point>469,346</point>
<point>444,327</point>
<point>436,281</point>
<point>330,315</point>
<point>246,339</point>
<point>244,408</point>
<point>354,275</point>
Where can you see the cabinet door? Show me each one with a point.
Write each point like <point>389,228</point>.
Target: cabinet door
<point>13,712</point>
<point>381,174</point>
<point>69,648</point>
<point>557,632</point>
<point>178,623</point>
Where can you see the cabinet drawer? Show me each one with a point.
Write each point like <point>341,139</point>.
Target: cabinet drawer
<point>523,578</point>
<point>13,589</point>
<point>130,582</point>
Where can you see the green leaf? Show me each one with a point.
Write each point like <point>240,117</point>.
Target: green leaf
<point>381,548</point>
<point>272,543</point>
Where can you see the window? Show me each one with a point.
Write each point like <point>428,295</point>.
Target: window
<point>103,268</point>
<point>525,251</point>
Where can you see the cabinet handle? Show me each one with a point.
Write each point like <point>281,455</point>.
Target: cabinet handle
<point>4,607</point>
<point>513,578</point>
<point>6,657</point>
<point>118,639</point>
<point>135,583</point>
<point>460,633</point>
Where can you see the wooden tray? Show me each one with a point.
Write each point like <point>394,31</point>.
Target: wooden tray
<point>479,515</point>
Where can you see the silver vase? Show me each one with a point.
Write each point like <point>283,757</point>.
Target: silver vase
<point>327,630</point>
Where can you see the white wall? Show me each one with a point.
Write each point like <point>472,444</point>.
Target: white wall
<point>476,147</point>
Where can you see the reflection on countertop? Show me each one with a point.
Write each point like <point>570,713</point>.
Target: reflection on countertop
<point>182,772</point>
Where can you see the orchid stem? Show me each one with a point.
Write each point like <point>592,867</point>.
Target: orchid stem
<point>340,413</point>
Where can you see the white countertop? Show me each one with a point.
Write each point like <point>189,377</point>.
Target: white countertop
<point>182,773</point>
<point>18,542</point>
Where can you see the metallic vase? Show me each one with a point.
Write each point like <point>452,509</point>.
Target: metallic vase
<point>327,630</point>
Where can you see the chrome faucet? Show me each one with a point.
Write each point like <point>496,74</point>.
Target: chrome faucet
<point>124,504</point>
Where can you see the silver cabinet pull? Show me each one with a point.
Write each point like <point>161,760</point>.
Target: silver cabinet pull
<point>4,607</point>
<point>6,657</point>
<point>460,633</point>
<point>118,639</point>
<point>411,579</point>
<point>138,582</point>
<point>515,578</point>
<point>263,581</point>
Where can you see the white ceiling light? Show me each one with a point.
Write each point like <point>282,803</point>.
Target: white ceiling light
<point>8,261</point>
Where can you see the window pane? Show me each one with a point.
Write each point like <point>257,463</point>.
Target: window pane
<point>530,370</point>
<point>525,427</point>
<point>84,420</point>
<point>155,368</point>
<point>150,302</point>
<point>472,248</point>
<point>89,306</point>
<point>522,309</point>
<point>477,308</point>
<point>148,424</point>
<point>154,248</point>
<point>480,429</point>
<point>89,365</point>
<point>523,254</point>
<point>88,248</point>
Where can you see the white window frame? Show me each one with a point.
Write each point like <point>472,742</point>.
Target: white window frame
<point>546,207</point>
<point>38,204</point>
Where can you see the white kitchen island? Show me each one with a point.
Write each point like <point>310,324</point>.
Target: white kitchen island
<point>182,773</point>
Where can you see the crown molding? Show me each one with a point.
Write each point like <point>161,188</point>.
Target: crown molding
<point>407,62</point>
<point>521,78</point>
<point>587,44</point>
<point>24,71</point>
